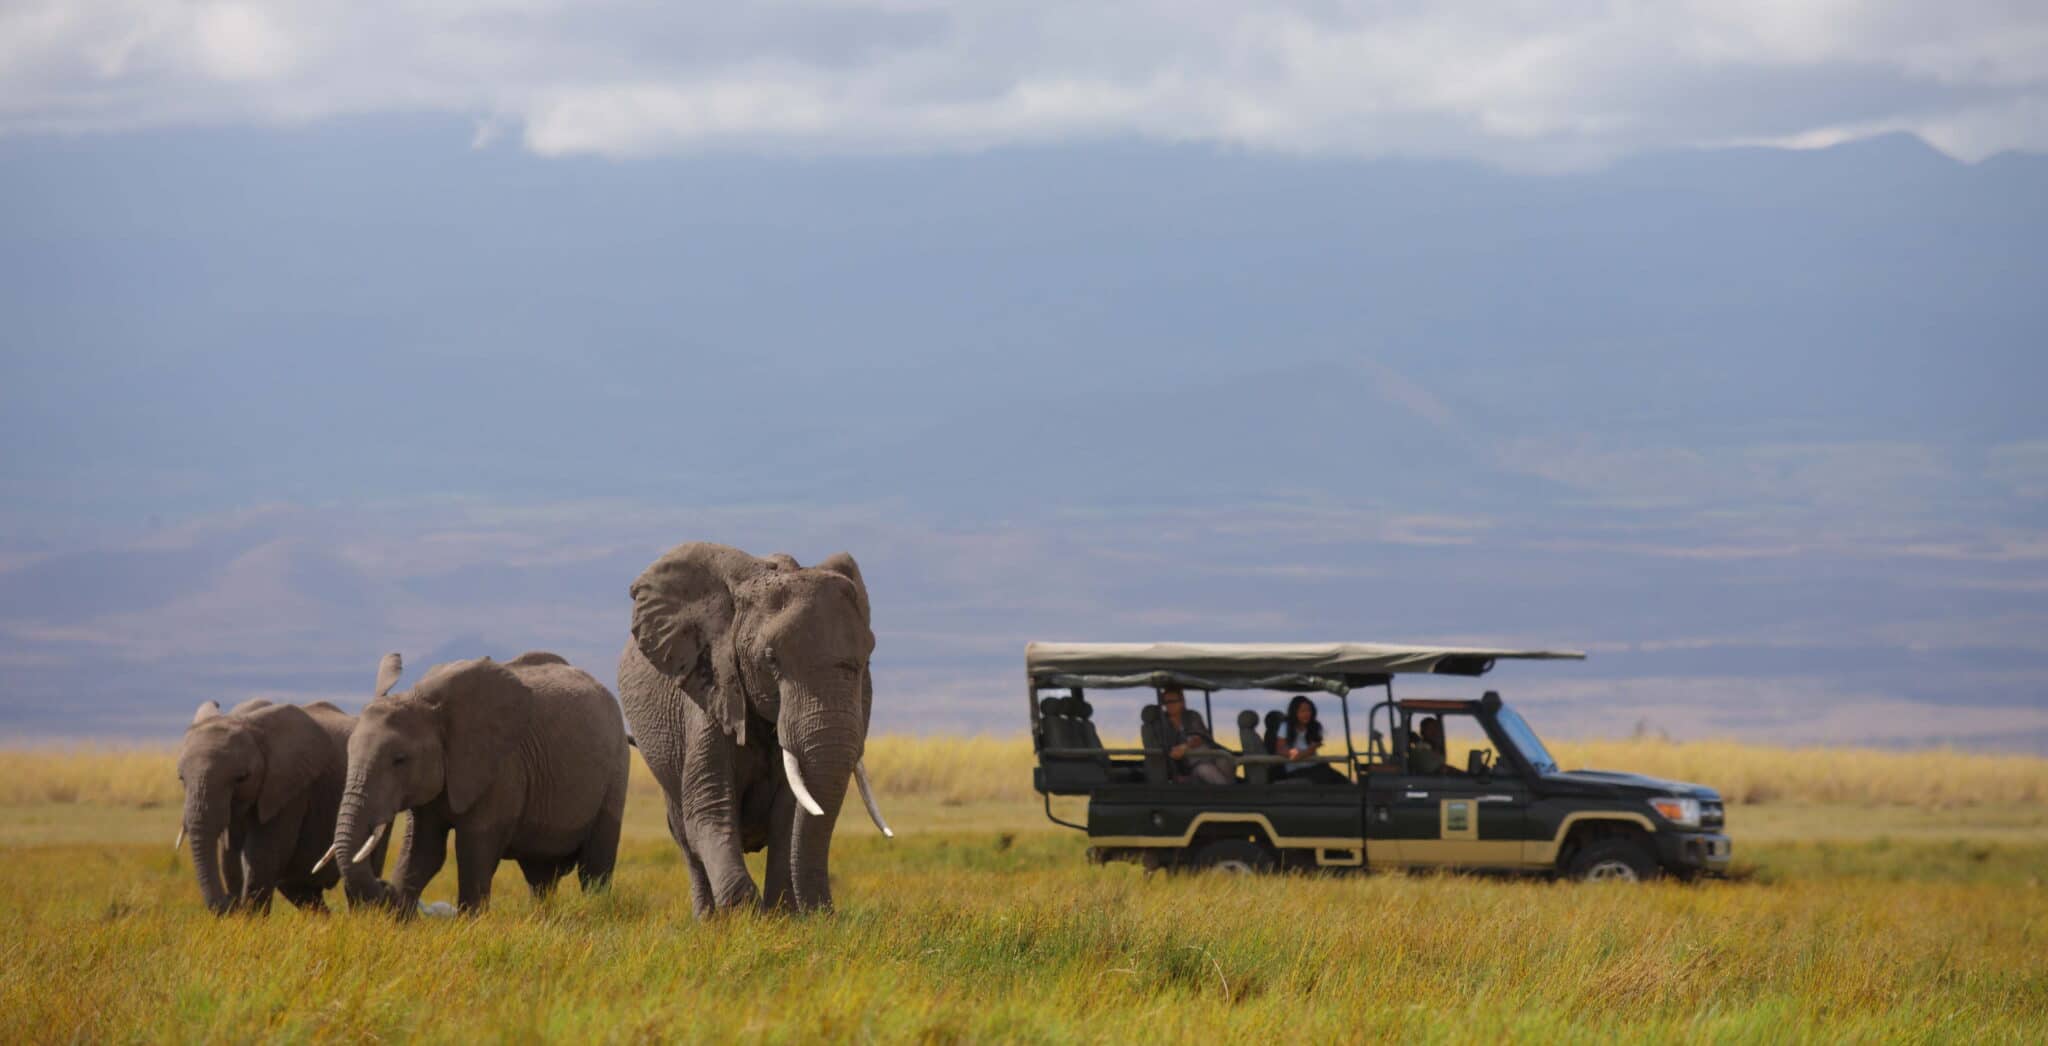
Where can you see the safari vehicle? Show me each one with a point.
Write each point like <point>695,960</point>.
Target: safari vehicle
<point>1508,808</point>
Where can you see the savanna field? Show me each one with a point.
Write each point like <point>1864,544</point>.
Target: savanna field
<point>1878,896</point>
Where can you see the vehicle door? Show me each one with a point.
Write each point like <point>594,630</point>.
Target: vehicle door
<point>1447,816</point>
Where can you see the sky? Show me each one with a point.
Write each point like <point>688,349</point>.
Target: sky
<point>1706,338</point>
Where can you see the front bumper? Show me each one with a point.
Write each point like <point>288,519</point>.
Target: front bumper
<point>1686,852</point>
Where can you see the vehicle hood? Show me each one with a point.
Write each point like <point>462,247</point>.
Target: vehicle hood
<point>1616,783</point>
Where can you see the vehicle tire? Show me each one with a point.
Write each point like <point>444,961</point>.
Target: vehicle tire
<point>1233,855</point>
<point>1613,860</point>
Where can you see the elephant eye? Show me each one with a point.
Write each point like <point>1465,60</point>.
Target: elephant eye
<point>398,760</point>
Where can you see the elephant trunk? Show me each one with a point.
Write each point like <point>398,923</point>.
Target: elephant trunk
<point>357,826</point>
<point>205,823</point>
<point>825,770</point>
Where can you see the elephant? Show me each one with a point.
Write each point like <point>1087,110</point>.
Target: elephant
<point>524,761</point>
<point>747,684</point>
<point>262,783</point>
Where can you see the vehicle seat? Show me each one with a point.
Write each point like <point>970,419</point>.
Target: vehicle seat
<point>1274,719</point>
<point>1248,738</point>
<point>1158,770</point>
<point>1089,737</point>
<point>1068,725</point>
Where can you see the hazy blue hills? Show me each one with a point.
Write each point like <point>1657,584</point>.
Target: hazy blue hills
<point>1747,421</point>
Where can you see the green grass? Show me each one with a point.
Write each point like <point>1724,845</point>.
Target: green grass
<point>980,922</point>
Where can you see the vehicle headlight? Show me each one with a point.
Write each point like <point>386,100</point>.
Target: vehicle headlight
<point>1685,813</point>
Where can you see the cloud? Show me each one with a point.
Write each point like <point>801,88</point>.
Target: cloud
<point>1541,84</point>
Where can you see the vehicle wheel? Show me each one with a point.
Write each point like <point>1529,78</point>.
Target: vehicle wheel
<point>1613,861</point>
<point>1233,855</point>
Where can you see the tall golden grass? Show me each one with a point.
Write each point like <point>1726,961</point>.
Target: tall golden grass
<point>975,938</point>
<point>986,768</point>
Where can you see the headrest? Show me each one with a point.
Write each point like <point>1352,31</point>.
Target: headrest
<point>1275,718</point>
<point>1079,706</point>
<point>1051,706</point>
<point>1247,720</point>
<point>1149,713</point>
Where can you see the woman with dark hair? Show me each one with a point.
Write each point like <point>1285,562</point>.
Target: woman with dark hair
<point>1300,739</point>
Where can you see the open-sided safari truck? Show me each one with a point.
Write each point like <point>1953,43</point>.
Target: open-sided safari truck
<point>1507,806</point>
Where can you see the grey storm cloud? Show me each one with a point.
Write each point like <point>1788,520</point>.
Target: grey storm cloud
<point>1537,84</point>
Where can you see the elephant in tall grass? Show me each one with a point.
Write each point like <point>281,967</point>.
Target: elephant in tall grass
<point>523,761</point>
<point>262,785</point>
<point>746,682</point>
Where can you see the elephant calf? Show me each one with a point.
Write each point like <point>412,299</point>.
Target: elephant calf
<point>263,783</point>
<point>524,761</point>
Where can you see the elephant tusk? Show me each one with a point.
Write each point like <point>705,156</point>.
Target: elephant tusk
<point>180,844</point>
<point>867,795</point>
<point>325,859</point>
<point>796,784</point>
<point>375,838</point>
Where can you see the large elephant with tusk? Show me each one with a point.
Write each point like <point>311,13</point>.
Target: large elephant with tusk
<point>747,686</point>
<point>261,787</point>
<point>523,761</point>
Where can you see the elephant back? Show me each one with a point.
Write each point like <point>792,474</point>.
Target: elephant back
<point>570,703</point>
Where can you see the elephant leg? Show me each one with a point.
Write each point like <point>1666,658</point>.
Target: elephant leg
<point>543,873</point>
<point>700,884</point>
<point>710,788</point>
<point>777,891</point>
<point>421,858</point>
<point>600,852</point>
<point>267,848</point>
<point>477,855</point>
<point>256,897</point>
<point>260,867</point>
<point>702,903</point>
<point>717,847</point>
<point>305,897</point>
<point>675,828</point>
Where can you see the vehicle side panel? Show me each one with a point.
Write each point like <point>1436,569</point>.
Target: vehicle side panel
<point>1290,816</point>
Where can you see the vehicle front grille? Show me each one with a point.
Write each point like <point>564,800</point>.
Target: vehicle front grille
<point>1711,815</point>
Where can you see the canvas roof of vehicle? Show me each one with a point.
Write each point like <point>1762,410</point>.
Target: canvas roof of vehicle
<point>1331,667</point>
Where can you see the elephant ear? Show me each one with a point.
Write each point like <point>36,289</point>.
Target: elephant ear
<point>484,711</point>
<point>207,710</point>
<point>251,705</point>
<point>295,753</point>
<point>387,672</point>
<point>682,623</point>
<point>842,563</point>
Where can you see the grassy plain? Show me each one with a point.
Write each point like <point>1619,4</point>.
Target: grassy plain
<point>1886,896</point>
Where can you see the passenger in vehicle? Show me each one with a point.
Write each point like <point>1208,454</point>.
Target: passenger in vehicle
<point>1191,750</point>
<point>1301,739</point>
<point>1426,748</point>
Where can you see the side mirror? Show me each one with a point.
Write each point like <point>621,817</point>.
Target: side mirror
<point>1477,764</point>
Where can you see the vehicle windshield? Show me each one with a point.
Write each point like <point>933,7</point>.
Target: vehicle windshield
<point>1526,741</point>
